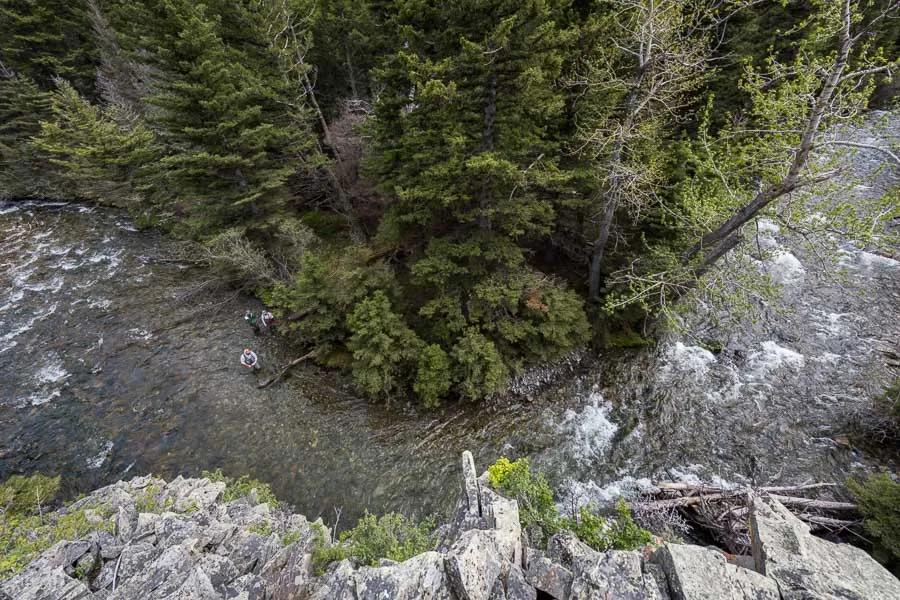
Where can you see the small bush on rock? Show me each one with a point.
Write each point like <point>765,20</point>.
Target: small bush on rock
<point>540,518</point>
<point>392,536</point>
<point>27,528</point>
<point>879,501</point>
<point>242,487</point>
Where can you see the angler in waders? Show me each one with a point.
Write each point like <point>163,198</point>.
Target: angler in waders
<point>250,360</point>
<point>252,320</point>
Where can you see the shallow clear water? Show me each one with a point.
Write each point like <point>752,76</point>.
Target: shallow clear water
<point>115,365</point>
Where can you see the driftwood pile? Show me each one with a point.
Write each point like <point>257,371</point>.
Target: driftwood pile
<point>723,512</point>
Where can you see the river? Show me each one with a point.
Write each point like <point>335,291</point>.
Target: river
<point>117,363</point>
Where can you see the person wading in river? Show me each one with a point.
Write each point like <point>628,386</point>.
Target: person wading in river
<point>252,320</point>
<point>250,360</point>
<point>267,320</point>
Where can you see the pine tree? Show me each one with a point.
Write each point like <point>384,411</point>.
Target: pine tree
<point>45,39</point>
<point>223,114</point>
<point>22,166</point>
<point>466,145</point>
<point>96,152</point>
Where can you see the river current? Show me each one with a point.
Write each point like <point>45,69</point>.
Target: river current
<point>117,362</point>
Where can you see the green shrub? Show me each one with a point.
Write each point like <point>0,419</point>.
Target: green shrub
<point>24,495</point>
<point>879,501</point>
<point>620,533</point>
<point>537,510</point>
<point>27,528</point>
<point>390,536</point>
<point>479,366</point>
<point>433,375</point>
<point>242,487</point>
<point>539,516</point>
<point>383,346</point>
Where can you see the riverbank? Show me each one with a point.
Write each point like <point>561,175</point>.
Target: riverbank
<point>128,379</point>
<point>188,539</point>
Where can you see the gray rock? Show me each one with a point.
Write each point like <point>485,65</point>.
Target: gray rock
<point>188,495</point>
<point>696,573</point>
<point>420,577</point>
<point>219,570</point>
<point>502,515</point>
<point>516,586</point>
<point>287,573</point>
<point>172,529</point>
<point>247,587</point>
<point>126,523</point>
<point>134,558</point>
<point>473,564</point>
<point>607,575</point>
<point>470,483</point>
<point>197,586</point>
<point>808,567</point>
<point>337,584</point>
<point>44,582</point>
<point>89,563</point>
<point>547,576</point>
<point>161,578</point>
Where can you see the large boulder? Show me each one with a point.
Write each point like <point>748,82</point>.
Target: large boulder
<point>547,576</point>
<point>474,564</point>
<point>44,582</point>
<point>420,577</point>
<point>808,567</point>
<point>696,573</point>
<point>614,574</point>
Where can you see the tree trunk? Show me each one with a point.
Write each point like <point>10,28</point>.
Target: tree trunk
<point>766,196</point>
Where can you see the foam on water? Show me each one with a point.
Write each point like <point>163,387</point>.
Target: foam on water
<point>39,398</point>
<point>590,430</point>
<point>773,357</point>
<point>575,494</point>
<point>680,359</point>
<point>96,461</point>
<point>784,268</point>
<point>52,372</point>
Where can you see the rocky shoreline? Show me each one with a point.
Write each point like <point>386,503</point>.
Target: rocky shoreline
<point>181,540</point>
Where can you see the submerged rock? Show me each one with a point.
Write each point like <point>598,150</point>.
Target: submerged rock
<point>179,540</point>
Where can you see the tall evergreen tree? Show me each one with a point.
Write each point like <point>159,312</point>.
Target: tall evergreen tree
<point>231,138</point>
<point>465,144</point>
<point>44,39</point>
<point>22,107</point>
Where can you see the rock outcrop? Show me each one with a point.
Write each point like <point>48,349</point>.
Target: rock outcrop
<point>180,540</point>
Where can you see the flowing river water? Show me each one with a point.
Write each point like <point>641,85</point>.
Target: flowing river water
<point>116,363</point>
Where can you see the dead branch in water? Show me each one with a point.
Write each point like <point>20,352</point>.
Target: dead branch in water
<point>284,371</point>
<point>723,512</point>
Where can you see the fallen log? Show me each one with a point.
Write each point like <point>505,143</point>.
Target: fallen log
<point>790,501</point>
<point>284,371</point>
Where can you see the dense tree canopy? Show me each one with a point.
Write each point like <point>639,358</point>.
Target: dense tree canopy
<point>437,195</point>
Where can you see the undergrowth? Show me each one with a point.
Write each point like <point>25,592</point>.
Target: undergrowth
<point>540,518</point>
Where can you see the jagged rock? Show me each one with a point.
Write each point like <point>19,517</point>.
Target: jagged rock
<point>696,573</point>
<point>246,587</point>
<point>45,583</point>
<point>614,574</point>
<point>516,586</point>
<point>421,576</point>
<point>337,584</point>
<point>474,564</point>
<point>470,483</point>
<point>126,523</point>
<point>502,515</point>
<point>171,529</point>
<point>160,578</point>
<point>88,563</point>
<point>547,576</point>
<point>288,572</point>
<point>185,495</point>
<point>808,567</point>
<point>133,559</point>
<point>197,586</point>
